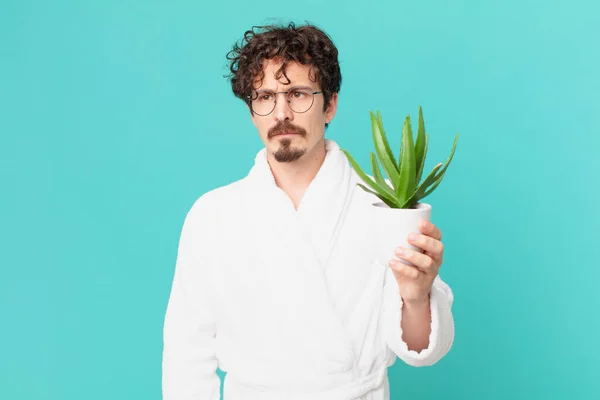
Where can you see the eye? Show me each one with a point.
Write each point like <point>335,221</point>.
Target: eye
<point>298,94</point>
<point>265,96</point>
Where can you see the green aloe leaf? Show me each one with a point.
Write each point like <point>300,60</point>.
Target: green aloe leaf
<point>437,182</point>
<point>378,176</point>
<point>382,129</point>
<point>449,158</point>
<point>384,152</point>
<point>389,203</point>
<point>420,190</point>
<point>420,146</point>
<point>421,165</point>
<point>406,181</point>
<point>441,173</point>
<point>381,192</point>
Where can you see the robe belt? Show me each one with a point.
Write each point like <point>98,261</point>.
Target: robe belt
<point>359,389</point>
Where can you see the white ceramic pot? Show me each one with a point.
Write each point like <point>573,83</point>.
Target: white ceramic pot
<point>392,227</point>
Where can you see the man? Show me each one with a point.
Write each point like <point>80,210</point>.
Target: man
<point>276,282</point>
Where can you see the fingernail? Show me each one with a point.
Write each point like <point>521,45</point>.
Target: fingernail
<point>412,237</point>
<point>399,251</point>
<point>425,225</point>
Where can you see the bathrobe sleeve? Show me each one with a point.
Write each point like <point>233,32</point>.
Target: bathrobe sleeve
<point>189,361</point>
<point>442,323</point>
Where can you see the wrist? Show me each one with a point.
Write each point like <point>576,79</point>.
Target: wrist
<point>418,303</point>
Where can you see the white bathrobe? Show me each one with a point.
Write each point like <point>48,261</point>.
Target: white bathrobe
<point>291,304</point>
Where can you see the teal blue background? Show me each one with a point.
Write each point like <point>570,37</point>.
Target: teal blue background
<point>115,117</point>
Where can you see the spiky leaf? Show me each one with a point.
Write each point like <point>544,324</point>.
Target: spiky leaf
<point>378,176</point>
<point>420,146</point>
<point>435,184</point>
<point>382,129</point>
<point>389,203</point>
<point>440,174</point>
<point>380,190</point>
<point>419,192</point>
<point>383,150</point>
<point>406,182</point>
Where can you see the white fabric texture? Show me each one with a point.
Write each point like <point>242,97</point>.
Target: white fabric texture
<point>289,303</point>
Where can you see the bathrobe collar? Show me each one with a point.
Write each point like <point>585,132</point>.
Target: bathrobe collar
<point>324,204</point>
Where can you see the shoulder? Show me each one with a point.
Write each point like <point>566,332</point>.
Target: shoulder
<point>214,203</point>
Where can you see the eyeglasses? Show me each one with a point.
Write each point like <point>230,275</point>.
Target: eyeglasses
<point>299,99</point>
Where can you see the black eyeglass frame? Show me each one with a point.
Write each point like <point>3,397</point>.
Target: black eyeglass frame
<point>250,98</point>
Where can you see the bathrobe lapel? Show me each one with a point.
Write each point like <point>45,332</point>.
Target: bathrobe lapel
<point>324,205</point>
<point>294,249</point>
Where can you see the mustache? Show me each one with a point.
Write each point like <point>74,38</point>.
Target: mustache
<point>285,126</point>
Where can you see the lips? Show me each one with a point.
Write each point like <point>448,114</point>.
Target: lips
<point>286,133</point>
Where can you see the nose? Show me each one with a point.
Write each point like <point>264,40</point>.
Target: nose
<point>282,110</point>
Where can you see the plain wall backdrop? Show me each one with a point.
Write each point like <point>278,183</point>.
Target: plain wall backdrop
<point>115,116</point>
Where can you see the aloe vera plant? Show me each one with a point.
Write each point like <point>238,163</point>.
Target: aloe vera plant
<point>403,188</point>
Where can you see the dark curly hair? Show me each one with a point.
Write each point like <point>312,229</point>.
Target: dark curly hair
<point>306,45</point>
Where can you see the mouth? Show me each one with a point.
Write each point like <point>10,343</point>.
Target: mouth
<point>286,134</point>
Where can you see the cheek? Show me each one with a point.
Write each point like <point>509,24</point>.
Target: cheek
<point>263,127</point>
<point>316,120</point>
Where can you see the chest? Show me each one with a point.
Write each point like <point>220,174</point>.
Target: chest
<point>271,264</point>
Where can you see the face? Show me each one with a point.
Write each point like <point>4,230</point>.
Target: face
<point>287,135</point>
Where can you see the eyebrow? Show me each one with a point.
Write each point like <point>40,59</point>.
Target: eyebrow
<point>293,87</point>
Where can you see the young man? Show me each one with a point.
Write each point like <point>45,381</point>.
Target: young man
<point>275,280</point>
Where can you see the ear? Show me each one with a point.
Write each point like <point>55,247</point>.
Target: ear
<point>331,108</point>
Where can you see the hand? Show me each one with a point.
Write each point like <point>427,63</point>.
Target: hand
<point>415,281</point>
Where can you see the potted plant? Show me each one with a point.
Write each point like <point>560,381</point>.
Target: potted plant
<point>399,208</point>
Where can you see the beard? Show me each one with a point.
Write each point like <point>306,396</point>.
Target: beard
<point>286,151</point>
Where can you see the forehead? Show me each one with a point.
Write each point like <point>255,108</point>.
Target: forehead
<point>297,74</point>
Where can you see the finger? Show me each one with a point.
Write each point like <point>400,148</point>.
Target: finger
<point>428,244</point>
<point>428,228</point>
<point>420,260</point>
<point>406,270</point>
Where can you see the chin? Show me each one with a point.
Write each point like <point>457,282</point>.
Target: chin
<point>285,150</point>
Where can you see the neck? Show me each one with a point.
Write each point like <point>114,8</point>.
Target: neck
<point>294,177</point>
